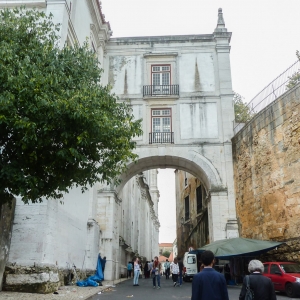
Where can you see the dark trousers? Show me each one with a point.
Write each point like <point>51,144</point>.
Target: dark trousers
<point>167,273</point>
<point>129,273</point>
<point>175,277</point>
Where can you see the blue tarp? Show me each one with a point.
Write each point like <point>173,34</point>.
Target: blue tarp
<point>92,280</point>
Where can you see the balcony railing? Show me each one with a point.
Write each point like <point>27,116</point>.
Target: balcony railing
<point>158,90</point>
<point>161,137</point>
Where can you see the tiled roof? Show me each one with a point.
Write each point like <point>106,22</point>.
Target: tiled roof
<point>165,245</point>
<point>102,15</point>
<point>162,258</point>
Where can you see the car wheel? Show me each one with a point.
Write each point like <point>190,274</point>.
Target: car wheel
<point>289,290</point>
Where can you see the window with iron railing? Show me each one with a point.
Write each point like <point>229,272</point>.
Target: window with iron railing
<point>160,82</point>
<point>161,120</point>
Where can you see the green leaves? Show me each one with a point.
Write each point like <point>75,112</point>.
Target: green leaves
<point>58,126</point>
<point>242,111</point>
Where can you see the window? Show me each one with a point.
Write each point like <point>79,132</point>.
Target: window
<point>185,180</point>
<point>199,199</point>
<point>191,260</point>
<point>187,208</point>
<point>161,125</point>
<point>274,269</point>
<point>161,78</point>
<point>266,268</point>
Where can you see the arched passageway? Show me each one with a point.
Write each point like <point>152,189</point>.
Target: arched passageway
<point>214,176</point>
<point>182,158</point>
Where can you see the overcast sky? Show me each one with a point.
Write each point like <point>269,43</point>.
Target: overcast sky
<point>265,37</point>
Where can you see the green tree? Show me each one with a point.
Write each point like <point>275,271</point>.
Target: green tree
<point>58,127</point>
<point>166,253</point>
<point>295,78</point>
<point>242,112</point>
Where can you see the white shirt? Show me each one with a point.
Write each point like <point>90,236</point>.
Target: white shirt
<point>174,268</point>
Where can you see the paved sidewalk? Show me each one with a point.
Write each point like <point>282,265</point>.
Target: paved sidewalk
<point>64,292</point>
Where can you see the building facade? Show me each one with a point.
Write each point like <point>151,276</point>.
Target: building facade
<point>180,86</point>
<point>49,238</point>
<point>191,212</point>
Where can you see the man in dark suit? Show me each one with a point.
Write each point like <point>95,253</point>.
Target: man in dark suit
<point>209,284</point>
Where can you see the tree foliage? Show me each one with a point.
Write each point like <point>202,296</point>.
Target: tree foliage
<point>242,112</point>
<point>295,78</point>
<point>58,126</point>
<point>166,253</point>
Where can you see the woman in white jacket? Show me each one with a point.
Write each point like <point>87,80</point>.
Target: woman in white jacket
<point>175,271</point>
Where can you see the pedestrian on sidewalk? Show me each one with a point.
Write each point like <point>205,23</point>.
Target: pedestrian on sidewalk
<point>155,272</point>
<point>129,269</point>
<point>137,270</point>
<point>261,286</point>
<point>209,284</point>
<point>167,269</point>
<point>146,271</point>
<point>175,271</point>
<point>180,264</point>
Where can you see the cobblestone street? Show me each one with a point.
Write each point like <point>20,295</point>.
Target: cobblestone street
<point>65,292</point>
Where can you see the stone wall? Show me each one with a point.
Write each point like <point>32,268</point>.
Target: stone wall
<point>266,155</point>
<point>6,223</point>
<point>40,279</point>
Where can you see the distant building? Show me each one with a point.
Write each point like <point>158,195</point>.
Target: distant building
<point>165,247</point>
<point>191,212</point>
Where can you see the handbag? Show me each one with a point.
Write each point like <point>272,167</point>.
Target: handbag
<point>249,293</point>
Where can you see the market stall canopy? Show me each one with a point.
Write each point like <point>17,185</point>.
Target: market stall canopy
<point>228,248</point>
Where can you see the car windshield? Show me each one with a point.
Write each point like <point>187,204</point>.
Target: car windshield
<point>290,268</point>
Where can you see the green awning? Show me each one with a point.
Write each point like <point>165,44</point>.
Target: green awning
<point>228,248</point>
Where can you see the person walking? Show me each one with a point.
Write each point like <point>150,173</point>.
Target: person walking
<point>180,264</point>
<point>129,269</point>
<point>137,269</point>
<point>209,284</point>
<point>146,269</point>
<point>150,265</point>
<point>103,262</point>
<point>155,272</point>
<point>167,269</point>
<point>175,271</point>
<point>261,286</point>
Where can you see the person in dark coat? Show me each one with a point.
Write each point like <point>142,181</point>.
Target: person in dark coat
<point>209,284</point>
<point>146,269</point>
<point>261,286</point>
<point>103,262</point>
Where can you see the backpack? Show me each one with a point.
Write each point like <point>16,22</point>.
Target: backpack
<point>129,267</point>
<point>249,293</point>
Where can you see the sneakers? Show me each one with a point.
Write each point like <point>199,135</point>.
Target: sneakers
<point>174,284</point>
<point>154,286</point>
<point>158,288</point>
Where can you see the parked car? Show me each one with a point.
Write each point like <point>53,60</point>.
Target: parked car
<point>285,276</point>
<point>189,266</point>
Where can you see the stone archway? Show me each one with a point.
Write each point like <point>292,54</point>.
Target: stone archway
<point>183,158</point>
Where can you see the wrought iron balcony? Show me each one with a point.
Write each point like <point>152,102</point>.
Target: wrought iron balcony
<point>158,90</point>
<point>161,137</point>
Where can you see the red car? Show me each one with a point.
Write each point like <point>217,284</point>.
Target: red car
<point>285,276</point>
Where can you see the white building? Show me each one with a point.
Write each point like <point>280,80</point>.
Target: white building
<point>181,87</point>
<point>48,237</point>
